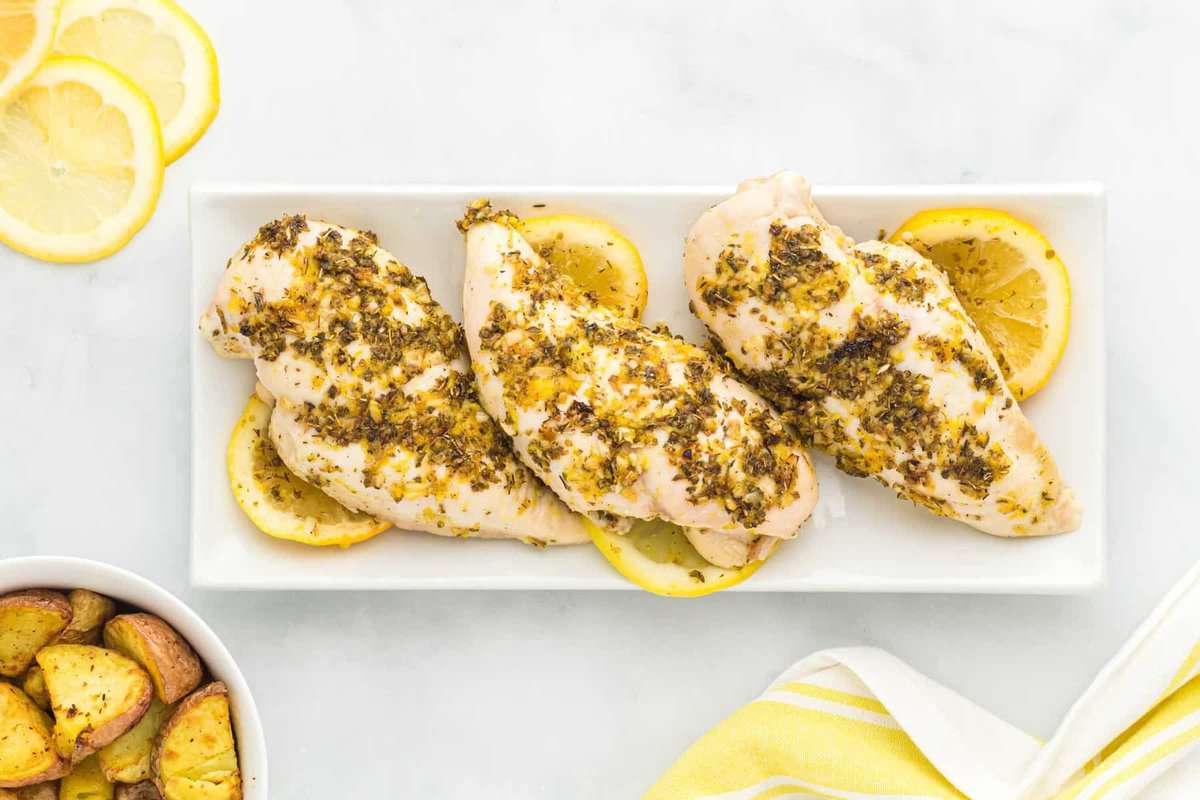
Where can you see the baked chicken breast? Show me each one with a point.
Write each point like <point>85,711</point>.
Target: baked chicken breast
<point>869,353</point>
<point>373,397</point>
<point>624,421</point>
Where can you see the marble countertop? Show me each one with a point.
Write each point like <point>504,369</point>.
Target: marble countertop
<point>549,695</point>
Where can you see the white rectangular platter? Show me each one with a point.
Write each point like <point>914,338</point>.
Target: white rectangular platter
<point>861,537</point>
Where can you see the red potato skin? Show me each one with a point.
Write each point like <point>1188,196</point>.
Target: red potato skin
<point>53,774</point>
<point>174,659</point>
<point>136,791</point>
<point>214,688</point>
<point>55,602</point>
<point>70,634</point>
<point>43,791</point>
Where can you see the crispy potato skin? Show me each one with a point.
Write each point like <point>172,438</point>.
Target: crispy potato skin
<point>29,620</point>
<point>173,665</point>
<point>186,730</point>
<point>145,790</point>
<point>96,694</point>
<point>86,782</point>
<point>89,612</point>
<point>27,754</point>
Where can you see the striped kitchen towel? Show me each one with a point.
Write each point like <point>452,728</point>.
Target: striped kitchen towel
<point>859,723</point>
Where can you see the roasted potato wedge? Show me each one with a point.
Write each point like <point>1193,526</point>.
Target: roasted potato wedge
<point>127,760</point>
<point>27,752</point>
<point>195,757</point>
<point>89,612</point>
<point>96,695</point>
<point>35,686</point>
<point>173,665</point>
<point>146,790</point>
<point>29,620</point>
<point>86,782</point>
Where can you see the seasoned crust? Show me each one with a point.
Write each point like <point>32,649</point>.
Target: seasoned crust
<point>96,694</point>
<point>173,665</point>
<point>194,735</point>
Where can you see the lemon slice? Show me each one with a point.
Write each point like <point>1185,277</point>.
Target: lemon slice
<point>595,255</point>
<point>658,557</point>
<point>80,162</point>
<point>26,33</point>
<point>159,47</point>
<point>1010,281</point>
<point>279,503</point>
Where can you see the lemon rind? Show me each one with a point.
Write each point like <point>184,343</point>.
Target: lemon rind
<point>955,219</point>
<point>78,248</point>
<point>200,66</point>
<point>608,544</point>
<point>279,524</point>
<point>25,67</point>
<point>589,227</point>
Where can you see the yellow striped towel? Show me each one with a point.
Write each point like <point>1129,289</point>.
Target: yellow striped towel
<point>858,723</point>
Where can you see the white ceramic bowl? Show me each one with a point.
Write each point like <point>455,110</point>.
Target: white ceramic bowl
<point>52,572</point>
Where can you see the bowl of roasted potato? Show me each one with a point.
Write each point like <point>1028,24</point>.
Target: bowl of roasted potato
<point>113,689</point>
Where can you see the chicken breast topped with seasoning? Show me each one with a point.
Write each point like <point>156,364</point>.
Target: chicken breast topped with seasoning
<point>623,421</point>
<point>374,400</point>
<point>873,359</point>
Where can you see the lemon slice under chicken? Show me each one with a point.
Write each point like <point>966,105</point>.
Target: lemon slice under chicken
<point>279,503</point>
<point>595,255</point>
<point>1010,281</point>
<point>657,556</point>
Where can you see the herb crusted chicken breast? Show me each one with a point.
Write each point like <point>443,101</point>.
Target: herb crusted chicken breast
<point>373,397</point>
<point>873,358</point>
<point>621,420</point>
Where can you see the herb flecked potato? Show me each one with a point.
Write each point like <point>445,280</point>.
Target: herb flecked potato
<point>29,620</point>
<point>27,752</point>
<point>127,760</point>
<point>96,695</point>
<point>89,612</point>
<point>86,782</point>
<point>195,757</point>
<point>173,665</point>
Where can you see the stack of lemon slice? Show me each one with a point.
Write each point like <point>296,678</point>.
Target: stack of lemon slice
<point>97,97</point>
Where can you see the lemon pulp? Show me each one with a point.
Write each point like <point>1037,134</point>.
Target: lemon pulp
<point>160,48</point>
<point>278,502</point>
<point>1010,281</point>
<point>80,162</point>
<point>595,255</point>
<point>657,556</point>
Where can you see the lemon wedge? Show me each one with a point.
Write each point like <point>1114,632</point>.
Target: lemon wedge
<point>658,557</point>
<point>160,48</point>
<point>26,33</point>
<point>279,503</point>
<point>1010,281</point>
<point>80,162</point>
<point>595,255</point>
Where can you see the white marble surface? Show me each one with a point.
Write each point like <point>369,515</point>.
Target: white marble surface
<point>592,695</point>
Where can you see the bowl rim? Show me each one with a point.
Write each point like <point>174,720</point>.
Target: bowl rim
<point>69,572</point>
